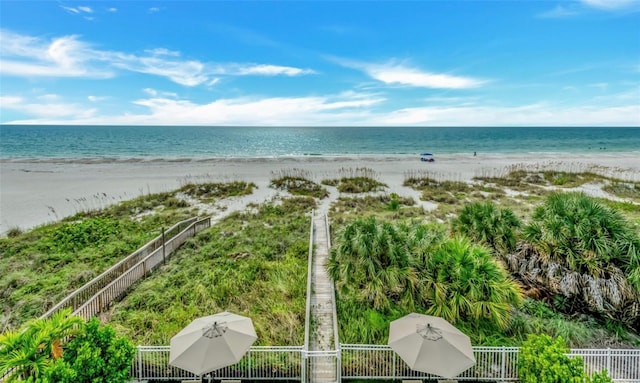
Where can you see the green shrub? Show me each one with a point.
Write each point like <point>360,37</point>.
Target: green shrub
<point>544,360</point>
<point>97,355</point>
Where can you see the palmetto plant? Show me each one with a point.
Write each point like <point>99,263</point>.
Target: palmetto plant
<point>372,261</point>
<point>30,351</point>
<point>485,223</point>
<point>584,250</point>
<point>461,281</point>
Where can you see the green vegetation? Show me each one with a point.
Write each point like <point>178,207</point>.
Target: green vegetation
<point>384,271</point>
<point>43,266</point>
<point>624,189</point>
<point>543,359</point>
<point>384,206</point>
<point>252,263</point>
<point>359,180</point>
<point>65,349</point>
<point>213,191</point>
<point>296,182</point>
<point>570,179</point>
<point>447,192</point>
<point>489,225</point>
<point>585,252</point>
<point>575,258</point>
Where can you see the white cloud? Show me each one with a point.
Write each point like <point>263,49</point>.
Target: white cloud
<point>611,4</point>
<point>112,9</point>
<point>558,12</point>
<point>318,110</point>
<point>413,77</point>
<point>97,98</point>
<point>49,97</point>
<point>346,109</point>
<point>188,73</point>
<point>155,93</point>
<point>83,9</point>
<point>270,70</point>
<point>258,111</point>
<point>48,109</point>
<point>396,74</point>
<point>154,10</point>
<point>65,56</point>
<point>70,9</point>
<point>68,56</point>
<point>526,115</point>
<point>162,52</point>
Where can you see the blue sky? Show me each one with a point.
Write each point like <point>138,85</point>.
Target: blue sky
<point>423,63</point>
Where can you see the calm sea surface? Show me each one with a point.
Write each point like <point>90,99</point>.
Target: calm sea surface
<point>198,142</point>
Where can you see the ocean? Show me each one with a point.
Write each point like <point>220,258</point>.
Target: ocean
<point>201,142</point>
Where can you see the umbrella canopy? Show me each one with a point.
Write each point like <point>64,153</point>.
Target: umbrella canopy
<point>212,342</point>
<point>431,344</point>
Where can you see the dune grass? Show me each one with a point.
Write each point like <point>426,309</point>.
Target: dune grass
<point>40,267</point>
<point>252,263</point>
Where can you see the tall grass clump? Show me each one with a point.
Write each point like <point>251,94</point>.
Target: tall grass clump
<point>297,182</point>
<point>217,190</point>
<point>358,180</point>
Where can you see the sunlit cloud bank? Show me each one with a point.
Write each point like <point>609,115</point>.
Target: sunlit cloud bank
<point>345,109</point>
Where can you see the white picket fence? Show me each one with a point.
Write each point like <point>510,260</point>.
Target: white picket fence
<point>363,361</point>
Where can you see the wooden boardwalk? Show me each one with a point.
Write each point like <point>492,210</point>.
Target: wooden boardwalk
<point>322,360</point>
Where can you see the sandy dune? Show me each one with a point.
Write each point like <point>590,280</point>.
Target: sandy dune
<point>34,192</point>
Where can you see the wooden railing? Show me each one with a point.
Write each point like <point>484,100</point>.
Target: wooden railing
<point>98,294</point>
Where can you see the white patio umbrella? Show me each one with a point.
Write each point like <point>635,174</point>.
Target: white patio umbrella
<point>212,342</point>
<point>431,344</point>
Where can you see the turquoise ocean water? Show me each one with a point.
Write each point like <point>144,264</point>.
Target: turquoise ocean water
<point>198,142</point>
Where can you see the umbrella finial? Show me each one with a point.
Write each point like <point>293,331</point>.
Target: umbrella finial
<point>214,330</point>
<point>429,332</point>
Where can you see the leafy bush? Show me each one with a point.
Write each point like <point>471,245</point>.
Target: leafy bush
<point>543,359</point>
<point>65,349</point>
<point>97,355</point>
<point>75,235</point>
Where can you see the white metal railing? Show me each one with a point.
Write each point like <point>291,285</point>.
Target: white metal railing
<point>307,315</point>
<point>260,363</point>
<point>367,361</point>
<point>622,365</point>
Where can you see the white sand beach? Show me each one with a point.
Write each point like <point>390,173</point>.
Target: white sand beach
<point>34,192</point>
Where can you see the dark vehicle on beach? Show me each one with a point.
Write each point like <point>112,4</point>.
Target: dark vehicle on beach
<point>427,157</point>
